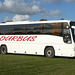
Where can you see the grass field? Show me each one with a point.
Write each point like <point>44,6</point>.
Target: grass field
<point>36,65</point>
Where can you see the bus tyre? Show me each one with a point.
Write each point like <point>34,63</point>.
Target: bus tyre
<point>49,52</point>
<point>3,49</point>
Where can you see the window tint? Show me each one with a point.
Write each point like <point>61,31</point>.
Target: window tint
<point>4,30</point>
<point>19,29</point>
<point>53,29</point>
<point>46,28</point>
<point>34,29</point>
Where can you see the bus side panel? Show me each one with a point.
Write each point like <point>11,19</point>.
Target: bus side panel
<point>38,45</point>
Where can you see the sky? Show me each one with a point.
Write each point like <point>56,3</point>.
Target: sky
<point>35,10</point>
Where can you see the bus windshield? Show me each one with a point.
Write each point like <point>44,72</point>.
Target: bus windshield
<point>73,29</point>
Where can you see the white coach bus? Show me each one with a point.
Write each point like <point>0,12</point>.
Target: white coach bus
<point>49,38</point>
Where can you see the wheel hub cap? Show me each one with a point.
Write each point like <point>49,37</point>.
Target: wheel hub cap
<point>49,53</point>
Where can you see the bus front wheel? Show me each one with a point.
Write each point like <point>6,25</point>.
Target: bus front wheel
<point>3,49</point>
<point>49,52</point>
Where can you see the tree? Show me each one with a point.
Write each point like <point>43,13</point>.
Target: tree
<point>43,19</point>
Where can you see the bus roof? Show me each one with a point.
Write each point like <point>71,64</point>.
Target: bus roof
<point>33,22</point>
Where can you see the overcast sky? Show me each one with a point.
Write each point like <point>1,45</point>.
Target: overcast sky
<point>36,9</point>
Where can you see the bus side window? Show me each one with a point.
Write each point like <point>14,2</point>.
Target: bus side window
<point>53,29</point>
<point>57,29</point>
<point>5,30</point>
<point>33,29</point>
<point>18,29</point>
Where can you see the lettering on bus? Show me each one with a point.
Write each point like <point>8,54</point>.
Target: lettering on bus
<point>18,38</point>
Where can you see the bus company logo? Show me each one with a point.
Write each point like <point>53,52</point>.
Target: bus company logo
<point>18,38</point>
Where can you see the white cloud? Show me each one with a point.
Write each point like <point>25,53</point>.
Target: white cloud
<point>55,13</point>
<point>20,7</point>
<point>24,9</point>
<point>70,0</point>
<point>20,17</point>
<point>17,18</point>
<point>35,9</point>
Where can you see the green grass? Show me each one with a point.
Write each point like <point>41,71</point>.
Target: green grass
<point>35,65</point>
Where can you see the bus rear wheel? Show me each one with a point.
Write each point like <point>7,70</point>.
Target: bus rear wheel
<point>49,52</point>
<point>3,49</point>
